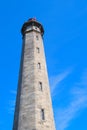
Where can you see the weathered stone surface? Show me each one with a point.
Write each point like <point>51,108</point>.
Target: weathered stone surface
<point>30,99</point>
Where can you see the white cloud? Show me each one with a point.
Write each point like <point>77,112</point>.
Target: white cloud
<point>79,102</point>
<point>55,80</point>
<point>11,103</point>
<point>13,91</point>
<point>67,114</point>
<point>11,106</point>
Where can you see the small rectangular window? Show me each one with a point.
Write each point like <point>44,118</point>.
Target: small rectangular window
<point>39,66</point>
<point>36,28</point>
<point>42,114</point>
<point>38,50</point>
<point>40,86</point>
<point>37,37</point>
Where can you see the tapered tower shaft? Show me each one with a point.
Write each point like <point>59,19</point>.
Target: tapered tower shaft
<point>33,109</point>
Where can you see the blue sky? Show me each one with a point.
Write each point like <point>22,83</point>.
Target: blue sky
<point>65,42</point>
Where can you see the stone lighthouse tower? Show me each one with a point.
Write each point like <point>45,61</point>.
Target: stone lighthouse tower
<point>33,109</point>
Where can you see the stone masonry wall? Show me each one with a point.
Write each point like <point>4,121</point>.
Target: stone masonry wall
<point>31,99</point>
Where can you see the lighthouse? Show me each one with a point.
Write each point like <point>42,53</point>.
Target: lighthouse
<point>33,109</point>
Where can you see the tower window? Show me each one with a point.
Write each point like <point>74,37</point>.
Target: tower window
<point>37,37</point>
<point>36,28</point>
<point>40,86</point>
<point>38,50</point>
<point>42,114</point>
<point>39,66</point>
